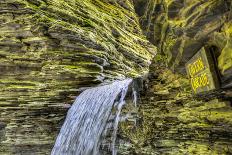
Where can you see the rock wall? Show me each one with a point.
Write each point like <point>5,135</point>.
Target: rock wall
<point>182,27</point>
<point>50,49</point>
<point>58,46</point>
<point>172,122</point>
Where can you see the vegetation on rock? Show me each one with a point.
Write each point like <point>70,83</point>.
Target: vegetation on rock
<point>51,50</point>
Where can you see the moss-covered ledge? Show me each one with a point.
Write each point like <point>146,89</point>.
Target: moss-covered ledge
<point>51,49</point>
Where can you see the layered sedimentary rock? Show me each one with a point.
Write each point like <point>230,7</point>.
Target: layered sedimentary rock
<point>182,27</point>
<point>173,122</point>
<point>50,49</point>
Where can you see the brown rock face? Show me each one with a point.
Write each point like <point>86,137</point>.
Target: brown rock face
<point>172,122</point>
<point>50,49</point>
<point>182,27</point>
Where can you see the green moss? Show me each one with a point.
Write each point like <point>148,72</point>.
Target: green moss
<point>13,87</point>
<point>225,59</point>
<point>52,48</point>
<point>14,81</point>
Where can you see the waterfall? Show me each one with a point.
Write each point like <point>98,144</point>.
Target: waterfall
<point>88,119</point>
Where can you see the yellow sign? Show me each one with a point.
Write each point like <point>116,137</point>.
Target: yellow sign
<point>200,69</point>
<point>196,67</point>
<point>199,81</point>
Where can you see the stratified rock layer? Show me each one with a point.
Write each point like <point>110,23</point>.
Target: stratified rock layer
<point>182,27</point>
<point>172,122</point>
<point>50,49</point>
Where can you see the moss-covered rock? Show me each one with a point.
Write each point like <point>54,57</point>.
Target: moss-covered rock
<point>173,122</point>
<point>51,49</point>
<point>182,27</point>
<point>225,59</point>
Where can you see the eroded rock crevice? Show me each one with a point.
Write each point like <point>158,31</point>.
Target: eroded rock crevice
<point>51,50</point>
<point>182,27</point>
<point>172,121</point>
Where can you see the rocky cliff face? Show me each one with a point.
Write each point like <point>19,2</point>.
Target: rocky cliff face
<point>52,49</point>
<point>182,27</point>
<point>173,122</point>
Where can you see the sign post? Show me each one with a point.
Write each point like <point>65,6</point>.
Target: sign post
<point>201,71</point>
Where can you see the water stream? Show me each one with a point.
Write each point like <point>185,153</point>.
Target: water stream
<point>94,112</point>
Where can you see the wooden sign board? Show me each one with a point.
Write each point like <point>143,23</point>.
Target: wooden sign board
<point>201,71</point>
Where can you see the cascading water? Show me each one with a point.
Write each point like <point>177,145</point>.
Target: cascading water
<point>88,119</point>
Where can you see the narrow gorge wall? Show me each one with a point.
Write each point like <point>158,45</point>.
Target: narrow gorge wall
<point>50,49</point>
<point>182,27</point>
<point>172,122</point>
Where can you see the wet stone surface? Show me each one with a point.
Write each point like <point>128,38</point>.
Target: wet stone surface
<point>173,122</point>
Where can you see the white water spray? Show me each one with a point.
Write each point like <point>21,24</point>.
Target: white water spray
<point>87,120</point>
